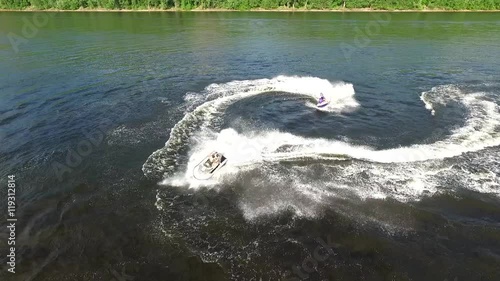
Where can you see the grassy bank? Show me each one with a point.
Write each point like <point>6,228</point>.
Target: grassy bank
<point>152,5</point>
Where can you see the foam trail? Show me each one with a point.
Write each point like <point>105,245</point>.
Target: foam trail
<point>256,157</point>
<point>255,148</point>
<point>481,129</point>
<point>216,98</point>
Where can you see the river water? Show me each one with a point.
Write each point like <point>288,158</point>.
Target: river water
<point>104,117</point>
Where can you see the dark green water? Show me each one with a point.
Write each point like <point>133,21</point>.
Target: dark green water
<point>104,116</point>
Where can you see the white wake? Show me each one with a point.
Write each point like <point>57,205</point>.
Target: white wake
<point>403,173</point>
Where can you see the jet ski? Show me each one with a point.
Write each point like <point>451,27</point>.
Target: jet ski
<point>322,102</point>
<point>209,165</point>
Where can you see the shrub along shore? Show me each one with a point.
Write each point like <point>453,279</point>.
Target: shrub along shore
<point>278,5</point>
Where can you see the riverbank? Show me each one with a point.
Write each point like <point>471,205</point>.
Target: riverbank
<point>255,5</point>
<point>284,9</point>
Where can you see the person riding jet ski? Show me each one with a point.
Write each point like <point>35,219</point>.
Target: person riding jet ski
<point>209,165</point>
<point>321,98</point>
<point>213,161</point>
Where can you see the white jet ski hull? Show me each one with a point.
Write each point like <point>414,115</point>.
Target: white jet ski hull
<point>322,104</point>
<point>201,172</point>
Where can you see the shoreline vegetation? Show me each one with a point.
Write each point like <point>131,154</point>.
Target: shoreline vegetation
<point>252,5</point>
<point>280,9</point>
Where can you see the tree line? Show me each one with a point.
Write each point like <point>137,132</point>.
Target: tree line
<point>252,4</point>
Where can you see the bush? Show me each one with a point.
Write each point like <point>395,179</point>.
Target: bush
<point>250,4</point>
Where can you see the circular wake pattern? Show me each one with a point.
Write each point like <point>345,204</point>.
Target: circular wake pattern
<point>206,109</point>
<point>273,172</point>
<point>283,171</point>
